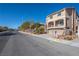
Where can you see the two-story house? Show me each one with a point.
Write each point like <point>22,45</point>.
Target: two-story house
<point>62,22</point>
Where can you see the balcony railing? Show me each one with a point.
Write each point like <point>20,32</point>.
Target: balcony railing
<point>59,25</point>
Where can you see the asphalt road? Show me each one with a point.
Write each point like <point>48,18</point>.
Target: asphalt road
<point>25,45</point>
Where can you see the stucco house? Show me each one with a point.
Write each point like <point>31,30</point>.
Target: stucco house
<point>62,22</point>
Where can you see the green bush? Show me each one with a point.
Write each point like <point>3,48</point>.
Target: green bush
<point>41,29</point>
<point>24,26</point>
<point>68,37</point>
<point>36,28</point>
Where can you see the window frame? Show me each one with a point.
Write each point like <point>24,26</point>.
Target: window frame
<point>59,14</point>
<point>50,16</point>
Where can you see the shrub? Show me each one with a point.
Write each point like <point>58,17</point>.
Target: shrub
<point>41,29</point>
<point>68,37</point>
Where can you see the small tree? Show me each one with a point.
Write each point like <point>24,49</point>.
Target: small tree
<point>24,26</point>
<point>32,26</point>
<point>41,29</point>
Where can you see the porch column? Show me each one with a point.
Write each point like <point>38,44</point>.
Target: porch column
<point>54,23</point>
<point>65,20</point>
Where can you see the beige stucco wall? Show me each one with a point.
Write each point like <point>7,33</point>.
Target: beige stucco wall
<point>55,17</point>
<point>55,32</point>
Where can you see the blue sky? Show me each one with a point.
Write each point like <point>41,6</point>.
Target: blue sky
<point>13,15</point>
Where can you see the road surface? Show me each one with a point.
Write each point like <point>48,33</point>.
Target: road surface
<point>26,45</point>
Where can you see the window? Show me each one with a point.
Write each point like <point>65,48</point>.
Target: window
<point>76,29</point>
<point>62,22</point>
<point>67,18</point>
<point>67,27</point>
<point>69,14</point>
<point>77,17</point>
<point>51,16</point>
<point>59,14</point>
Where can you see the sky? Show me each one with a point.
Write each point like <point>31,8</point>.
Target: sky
<point>13,15</point>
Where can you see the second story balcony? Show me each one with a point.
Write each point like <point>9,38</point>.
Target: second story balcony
<point>57,24</point>
<point>51,24</point>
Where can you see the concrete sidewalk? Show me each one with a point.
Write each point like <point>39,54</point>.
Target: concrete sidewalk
<point>46,36</point>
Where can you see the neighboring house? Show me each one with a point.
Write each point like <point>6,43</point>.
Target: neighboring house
<point>62,22</point>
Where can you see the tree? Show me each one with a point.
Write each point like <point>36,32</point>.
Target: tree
<point>24,26</point>
<point>38,25</point>
<point>32,26</point>
<point>41,29</point>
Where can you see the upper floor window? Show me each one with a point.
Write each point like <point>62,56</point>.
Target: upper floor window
<point>51,16</point>
<point>76,29</point>
<point>59,14</point>
<point>60,22</point>
<point>69,14</point>
<point>77,17</point>
<point>67,18</point>
<point>67,28</point>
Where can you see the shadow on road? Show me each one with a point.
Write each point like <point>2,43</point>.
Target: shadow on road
<point>4,39</point>
<point>7,34</point>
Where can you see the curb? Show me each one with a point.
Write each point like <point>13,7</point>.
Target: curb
<point>55,40</point>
